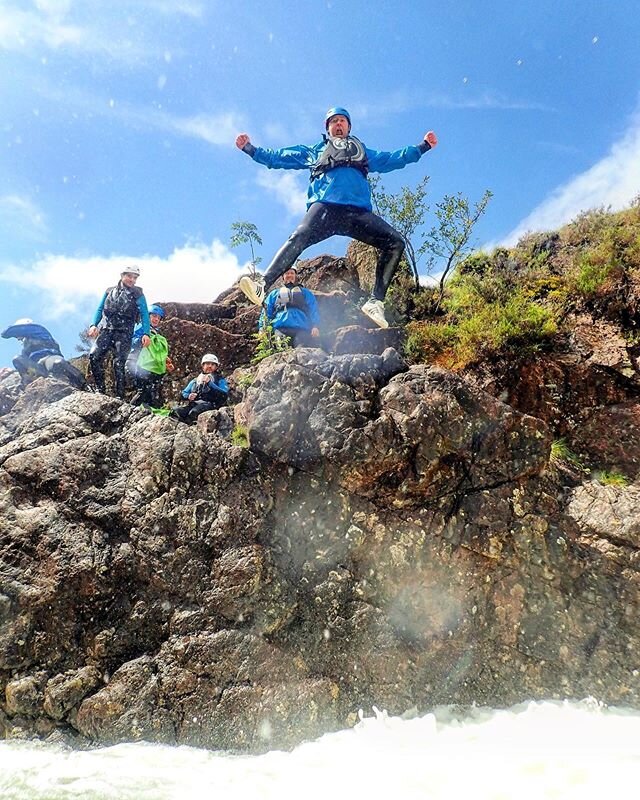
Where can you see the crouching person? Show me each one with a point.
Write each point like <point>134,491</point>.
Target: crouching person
<point>152,365</point>
<point>156,317</point>
<point>204,393</point>
<point>292,311</point>
<point>41,356</point>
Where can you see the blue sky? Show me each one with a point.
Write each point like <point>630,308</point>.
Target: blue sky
<point>118,120</point>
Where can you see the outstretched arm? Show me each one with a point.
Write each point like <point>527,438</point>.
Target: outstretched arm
<point>431,139</point>
<point>297,156</point>
<point>387,161</point>
<point>243,142</point>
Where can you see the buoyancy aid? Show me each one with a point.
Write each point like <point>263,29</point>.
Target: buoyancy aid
<point>36,349</point>
<point>341,152</point>
<point>121,307</point>
<point>205,391</point>
<point>291,297</point>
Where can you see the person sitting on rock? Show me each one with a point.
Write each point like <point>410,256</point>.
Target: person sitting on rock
<point>112,328</point>
<point>292,311</point>
<point>41,355</point>
<point>204,393</point>
<point>338,202</point>
<point>151,363</point>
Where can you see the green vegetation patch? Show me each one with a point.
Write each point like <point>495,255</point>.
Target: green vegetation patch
<point>240,436</point>
<point>483,317</point>
<point>515,300</point>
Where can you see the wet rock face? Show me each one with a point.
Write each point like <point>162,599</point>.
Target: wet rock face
<point>391,536</point>
<point>584,389</point>
<point>397,436</point>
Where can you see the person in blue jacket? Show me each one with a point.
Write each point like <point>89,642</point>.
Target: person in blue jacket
<point>156,315</point>
<point>204,393</point>
<point>112,327</point>
<point>292,310</point>
<point>338,202</point>
<point>41,355</point>
<point>148,366</point>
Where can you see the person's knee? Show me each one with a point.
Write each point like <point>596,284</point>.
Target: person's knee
<point>297,239</point>
<point>397,243</point>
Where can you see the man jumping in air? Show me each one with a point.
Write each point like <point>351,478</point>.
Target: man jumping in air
<point>338,202</point>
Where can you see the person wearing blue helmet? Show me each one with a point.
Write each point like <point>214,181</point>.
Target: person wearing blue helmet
<point>338,202</point>
<point>156,315</point>
<point>147,366</point>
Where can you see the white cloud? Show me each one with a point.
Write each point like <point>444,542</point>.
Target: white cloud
<point>403,101</point>
<point>188,8</point>
<point>22,215</point>
<point>92,26</point>
<point>54,8</point>
<point>213,128</point>
<point>277,132</point>
<point>195,273</point>
<point>287,189</point>
<point>485,100</point>
<point>21,30</point>
<point>614,181</point>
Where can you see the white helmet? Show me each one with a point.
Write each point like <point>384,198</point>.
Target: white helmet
<point>131,271</point>
<point>210,359</point>
<point>25,321</point>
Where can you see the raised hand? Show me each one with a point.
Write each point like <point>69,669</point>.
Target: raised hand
<point>431,139</point>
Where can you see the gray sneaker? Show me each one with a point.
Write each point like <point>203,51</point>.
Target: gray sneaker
<point>253,288</point>
<point>374,309</point>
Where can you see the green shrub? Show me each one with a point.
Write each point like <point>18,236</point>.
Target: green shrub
<point>485,331</point>
<point>607,478</point>
<point>517,299</point>
<point>587,227</point>
<point>426,341</point>
<point>560,453</point>
<point>475,264</point>
<point>245,380</point>
<point>240,436</point>
<point>269,343</point>
<point>593,270</point>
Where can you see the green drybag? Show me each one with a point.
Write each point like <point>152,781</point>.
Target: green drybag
<point>154,357</point>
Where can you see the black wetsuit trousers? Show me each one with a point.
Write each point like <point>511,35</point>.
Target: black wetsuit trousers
<point>118,341</point>
<point>191,412</point>
<point>299,337</point>
<point>323,220</point>
<point>148,385</point>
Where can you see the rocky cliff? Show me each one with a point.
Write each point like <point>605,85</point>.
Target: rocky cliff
<point>393,534</point>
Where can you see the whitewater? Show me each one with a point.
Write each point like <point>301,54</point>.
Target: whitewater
<point>536,750</point>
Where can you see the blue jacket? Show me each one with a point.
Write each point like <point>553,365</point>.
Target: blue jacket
<point>291,316</point>
<point>37,342</point>
<point>141,304</point>
<point>207,391</point>
<point>138,333</point>
<point>343,185</point>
